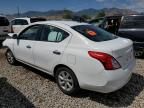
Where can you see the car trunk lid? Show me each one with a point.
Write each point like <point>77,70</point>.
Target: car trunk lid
<point>121,49</point>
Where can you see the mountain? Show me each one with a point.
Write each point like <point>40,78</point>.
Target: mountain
<point>47,13</point>
<point>90,12</point>
<point>116,11</point>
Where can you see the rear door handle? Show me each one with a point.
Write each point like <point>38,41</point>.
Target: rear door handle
<point>57,52</point>
<point>28,46</point>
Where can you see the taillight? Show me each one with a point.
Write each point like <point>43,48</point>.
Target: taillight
<point>109,62</point>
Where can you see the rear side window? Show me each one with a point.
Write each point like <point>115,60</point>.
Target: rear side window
<point>32,20</point>
<point>4,21</point>
<point>133,22</point>
<point>19,22</point>
<point>94,33</point>
<point>53,34</point>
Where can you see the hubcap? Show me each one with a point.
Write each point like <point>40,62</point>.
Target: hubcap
<point>10,57</point>
<point>65,80</point>
<point>138,53</point>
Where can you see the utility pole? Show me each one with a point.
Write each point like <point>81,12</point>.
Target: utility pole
<point>18,10</point>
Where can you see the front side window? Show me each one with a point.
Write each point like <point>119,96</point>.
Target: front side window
<point>30,33</point>
<point>53,34</point>
<point>94,33</point>
<point>133,22</point>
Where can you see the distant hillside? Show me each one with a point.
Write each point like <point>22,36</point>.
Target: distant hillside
<point>90,12</point>
<point>47,13</point>
<point>116,11</point>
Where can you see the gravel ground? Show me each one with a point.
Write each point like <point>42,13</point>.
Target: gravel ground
<point>25,87</point>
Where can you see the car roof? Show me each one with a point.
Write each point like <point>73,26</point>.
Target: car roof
<point>3,16</point>
<point>67,23</point>
<point>135,15</point>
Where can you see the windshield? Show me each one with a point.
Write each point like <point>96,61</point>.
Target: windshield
<point>94,33</point>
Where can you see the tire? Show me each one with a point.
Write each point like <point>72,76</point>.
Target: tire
<point>67,81</point>
<point>0,43</point>
<point>10,57</point>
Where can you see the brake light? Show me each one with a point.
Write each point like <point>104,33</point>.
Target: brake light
<point>109,62</point>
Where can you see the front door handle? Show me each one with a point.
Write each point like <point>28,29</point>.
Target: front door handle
<point>57,52</point>
<point>28,46</point>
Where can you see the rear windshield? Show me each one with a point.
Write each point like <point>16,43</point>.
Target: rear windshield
<point>133,22</point>
<point>32,20</point>
<point>94,33</point>
<point>4,21</point>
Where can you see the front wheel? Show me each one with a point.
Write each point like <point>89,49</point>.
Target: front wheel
<point>67,81</point>
<point>10,57</point>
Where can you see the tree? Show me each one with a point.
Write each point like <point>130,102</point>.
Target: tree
<point>101,14</point>
<point>86,17</point>
<point>67,14</point>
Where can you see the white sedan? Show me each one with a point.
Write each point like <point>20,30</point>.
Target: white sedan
<point>78,55</point>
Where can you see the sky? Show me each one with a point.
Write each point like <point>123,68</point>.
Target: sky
<point>10,6</point>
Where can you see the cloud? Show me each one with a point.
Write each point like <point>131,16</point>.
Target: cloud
<point>100,0</point>
<point>136,5</point>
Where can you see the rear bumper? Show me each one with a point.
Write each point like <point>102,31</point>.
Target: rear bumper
<point>114,80</point>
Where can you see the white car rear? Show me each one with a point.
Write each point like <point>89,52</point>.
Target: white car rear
<point>18,24</point>
<point>78,55</point>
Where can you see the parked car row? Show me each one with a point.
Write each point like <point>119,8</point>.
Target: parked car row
<point>131,27</point>
<point>15,26</point>
<point>78,55</point>
<point>19,24</point>
<point>4,28</point>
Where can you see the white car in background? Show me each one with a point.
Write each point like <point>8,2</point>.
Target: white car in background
<point>78,55</point>
<point>19,24</point>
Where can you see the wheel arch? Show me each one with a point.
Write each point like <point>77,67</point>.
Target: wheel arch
<point>58,66</point>
<point>9,49</point>
<point>63,65</point>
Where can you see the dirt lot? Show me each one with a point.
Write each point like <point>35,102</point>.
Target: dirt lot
<point>25,87</point>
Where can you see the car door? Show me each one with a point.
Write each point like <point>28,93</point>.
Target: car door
<point>18,25</point>
<point>23,46</point>
<point>49,51</point>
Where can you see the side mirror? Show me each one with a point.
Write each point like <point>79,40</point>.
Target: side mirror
<point>12,35</point>
<point>15,36</point>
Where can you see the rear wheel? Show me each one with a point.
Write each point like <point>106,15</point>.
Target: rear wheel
<point>10,57</point>
<point>67,81</point>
